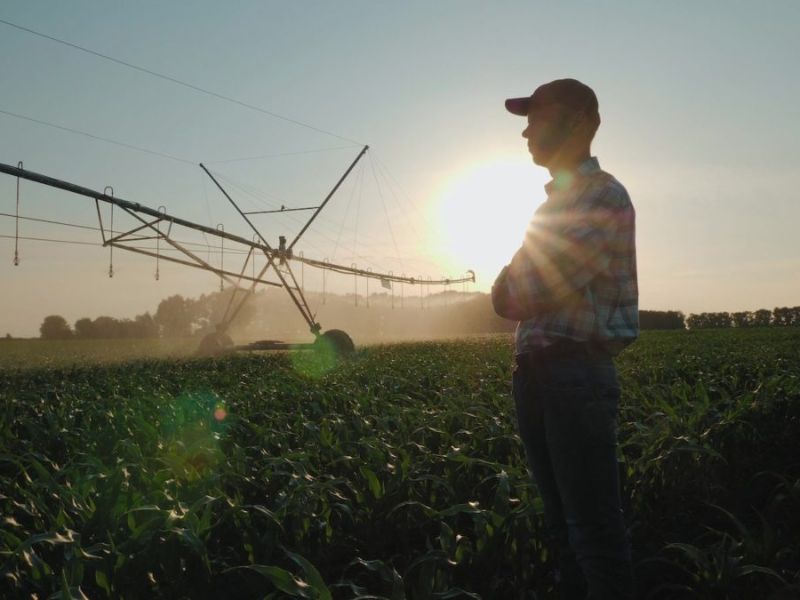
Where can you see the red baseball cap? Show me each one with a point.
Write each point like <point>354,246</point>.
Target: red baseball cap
<point>566,92</point>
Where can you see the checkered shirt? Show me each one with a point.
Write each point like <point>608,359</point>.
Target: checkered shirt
<point>575,274</point>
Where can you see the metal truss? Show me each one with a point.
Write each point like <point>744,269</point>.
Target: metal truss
<point>156,225</point>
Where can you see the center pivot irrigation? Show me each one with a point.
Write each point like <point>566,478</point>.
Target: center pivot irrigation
<point>156,224</point>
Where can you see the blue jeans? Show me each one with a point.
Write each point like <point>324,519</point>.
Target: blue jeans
<point>567,415</point>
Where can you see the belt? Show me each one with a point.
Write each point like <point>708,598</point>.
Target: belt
<point>561,349</point>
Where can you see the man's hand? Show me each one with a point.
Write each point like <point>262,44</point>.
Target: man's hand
<point>502,302</point>
<point>511,305</point>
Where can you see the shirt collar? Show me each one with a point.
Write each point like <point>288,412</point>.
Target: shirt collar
<point>564,181</point>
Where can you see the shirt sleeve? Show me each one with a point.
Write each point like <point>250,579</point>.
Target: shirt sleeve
<point>563,252</point>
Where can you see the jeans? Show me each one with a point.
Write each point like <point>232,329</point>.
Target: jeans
<point>567,414</point>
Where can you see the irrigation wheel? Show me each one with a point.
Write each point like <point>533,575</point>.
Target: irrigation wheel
<point>214,344</point>
<point>337,342</point>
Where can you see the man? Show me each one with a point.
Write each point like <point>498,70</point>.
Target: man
<point>572,286</point>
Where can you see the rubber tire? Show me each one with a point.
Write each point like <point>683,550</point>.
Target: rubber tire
<point>214,344</point>
<point>336,339</point>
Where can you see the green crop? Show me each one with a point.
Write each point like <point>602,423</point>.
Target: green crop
<point>394,475</point>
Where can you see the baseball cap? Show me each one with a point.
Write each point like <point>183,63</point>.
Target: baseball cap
<point>567,92</point>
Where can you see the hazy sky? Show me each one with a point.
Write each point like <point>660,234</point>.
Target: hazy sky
<point>700,103</point>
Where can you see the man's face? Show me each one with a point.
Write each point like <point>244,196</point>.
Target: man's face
<point>549,127</point>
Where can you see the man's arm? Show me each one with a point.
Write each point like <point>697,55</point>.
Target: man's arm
<point>561,255</point>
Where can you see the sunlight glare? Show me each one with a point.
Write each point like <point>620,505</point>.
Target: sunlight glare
<point>482,212</point>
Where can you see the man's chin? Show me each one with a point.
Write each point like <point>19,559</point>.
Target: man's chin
<point>537,160</point>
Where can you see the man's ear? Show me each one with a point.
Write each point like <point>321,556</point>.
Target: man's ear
<point>583,126</point>
<point>578,122</point>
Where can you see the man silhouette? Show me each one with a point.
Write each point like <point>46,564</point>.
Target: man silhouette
<point>573,288</point>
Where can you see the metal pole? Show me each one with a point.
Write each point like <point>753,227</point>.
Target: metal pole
<point>111,247</point>
<point>236,206</point>
<point>302,275</point>
<point>16,235</point>
<point>313,325</point>
<point>329,196</point>
<point>134,206</point>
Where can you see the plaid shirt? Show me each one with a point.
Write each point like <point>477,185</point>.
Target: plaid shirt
<point>575,275</point>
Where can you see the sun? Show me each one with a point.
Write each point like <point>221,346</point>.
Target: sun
<point>482,212</point>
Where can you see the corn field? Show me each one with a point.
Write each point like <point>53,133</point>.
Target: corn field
<point>396,474</point>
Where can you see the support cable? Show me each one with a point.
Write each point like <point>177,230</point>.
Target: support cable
<point>263,199</point>
<point>207,246</point>
<point>236,288</point>
<point>385,210</point>
<point>176,81</point>
<point>276,155</point>
<point>253,193</point>
<point>347,211</point>
<point>329,196</point>
<point>358,213</point>
<point>268,252</point>
<point>40,239</point>
<point>97,137</point>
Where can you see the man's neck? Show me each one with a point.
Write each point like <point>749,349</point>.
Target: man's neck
<point>568,166</point>
<point>564,173</point>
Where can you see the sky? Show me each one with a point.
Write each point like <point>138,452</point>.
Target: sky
<point>700,108</point>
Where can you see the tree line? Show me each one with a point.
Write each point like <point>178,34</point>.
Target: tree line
<point>272,315</point>
<point>668,319</point>
<point>56,327</point>
<point>777,317</point>
<point>175,316</point>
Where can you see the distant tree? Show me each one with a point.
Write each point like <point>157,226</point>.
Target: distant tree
<point>126,328</point>
<point>742,319</point>
<point>55,327</point>
<point>785,316</point>
<point>709,320</point>
<point>780,316</point>
<point>106,328</point>
<point>142,326</point>
<point>209,309</point>
<point>762,318</point>
<point>84,328</point>
<point>174,316</point>
<point>145,326</point>
<point>661,319</point>
<point>720,319</point>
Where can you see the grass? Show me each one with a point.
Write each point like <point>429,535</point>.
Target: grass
<point>36,353</point>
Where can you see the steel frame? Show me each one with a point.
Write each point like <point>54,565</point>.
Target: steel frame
<point>278,259</point>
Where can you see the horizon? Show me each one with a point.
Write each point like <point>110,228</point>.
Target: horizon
<point>706,154</point>
<point>379,301</point>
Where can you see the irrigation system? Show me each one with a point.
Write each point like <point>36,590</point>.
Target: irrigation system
<point>156,224</point>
